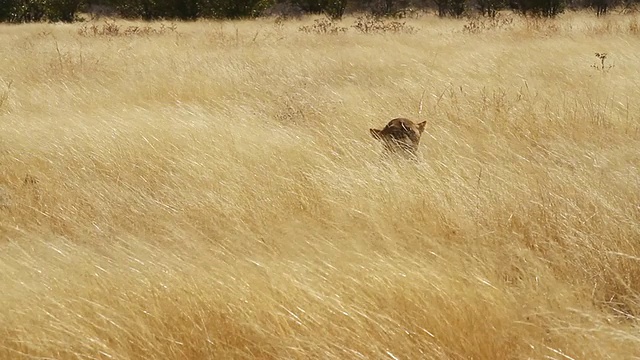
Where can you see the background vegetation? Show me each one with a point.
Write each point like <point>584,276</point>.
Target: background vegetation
<point>68,10</point>
<point>210,189</point>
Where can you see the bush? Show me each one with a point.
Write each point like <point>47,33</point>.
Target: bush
<point>455,8</point>
<point>601,6</point>
<point>546,8</point>
<point>62,10</point>
<point>21,11</point>
<point>309,6</point>
<point>5,10</point>
<point>384,7</point>
<point>190,9</point>
<point>65,10</point>
<point>111,28</point>
<point>335,9</point>
<point>323,26</point>
<point>490,8</point>
<point>369,24</point>
<point>24,10</point>
<point>477,24</point>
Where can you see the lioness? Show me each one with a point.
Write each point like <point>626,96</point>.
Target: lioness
<point>400,136</point>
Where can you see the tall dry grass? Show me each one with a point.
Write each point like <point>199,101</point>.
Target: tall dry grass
<point>212,191</point>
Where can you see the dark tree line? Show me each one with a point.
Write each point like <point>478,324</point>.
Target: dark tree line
<point>19,11</point>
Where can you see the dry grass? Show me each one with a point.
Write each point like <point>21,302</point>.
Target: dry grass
<point>212,191</point>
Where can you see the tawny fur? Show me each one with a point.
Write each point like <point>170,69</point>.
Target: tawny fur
<point>400,136</point>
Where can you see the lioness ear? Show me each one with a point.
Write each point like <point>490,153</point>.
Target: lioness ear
<point>421,126</point>
<point>376,133</point>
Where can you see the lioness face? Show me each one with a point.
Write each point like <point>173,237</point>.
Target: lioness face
<point>400,136</point>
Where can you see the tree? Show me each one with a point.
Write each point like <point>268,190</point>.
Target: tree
<point>546,8</point>
<point>335,8</point>
<point>62,10</point>
<point>455,8</point>
<point>601,6</point>
<point>26,10</point>
<point>490,7</point>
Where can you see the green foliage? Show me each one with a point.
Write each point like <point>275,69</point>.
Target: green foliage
<point>62,10</point>
<point>335,8</point>
<point>546,8</point>
<point>382,7</point>
<point>66,10</point>
<point>5,10</point>
<point>190,9</point>
<point>455,8</point>
<point>309,6</point>
<point>233,9</point>
<point>25,10</point>
<point>20,11</point>
<point>490,8</point>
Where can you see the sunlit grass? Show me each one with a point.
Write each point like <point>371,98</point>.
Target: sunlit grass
<point>212,191</point>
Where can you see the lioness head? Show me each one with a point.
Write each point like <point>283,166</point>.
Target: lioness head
<point>400,135</point>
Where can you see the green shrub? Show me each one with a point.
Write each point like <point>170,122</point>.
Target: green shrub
<point>21,11</point>
<point>545,8</point>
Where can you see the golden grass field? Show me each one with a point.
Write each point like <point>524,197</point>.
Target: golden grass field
<point>212,191</point>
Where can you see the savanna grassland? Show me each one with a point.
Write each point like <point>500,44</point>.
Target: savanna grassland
<point>211,190</point>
